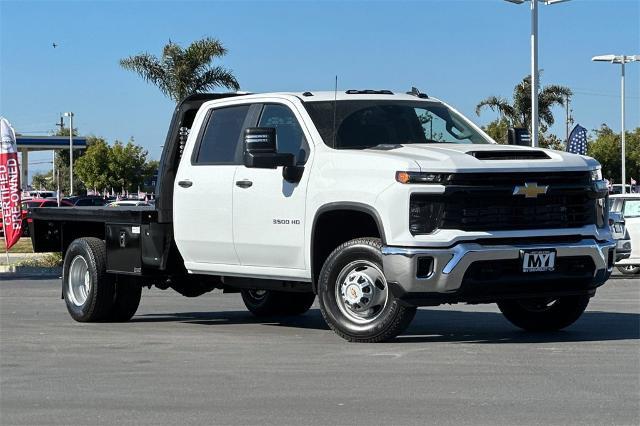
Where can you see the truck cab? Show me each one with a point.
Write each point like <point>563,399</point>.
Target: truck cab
<point>377,202</point>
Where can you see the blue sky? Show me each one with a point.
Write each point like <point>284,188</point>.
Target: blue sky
<point>459,51</point>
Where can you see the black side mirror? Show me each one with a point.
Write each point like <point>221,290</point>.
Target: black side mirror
<point>518,136</point>
<point>260,149</point>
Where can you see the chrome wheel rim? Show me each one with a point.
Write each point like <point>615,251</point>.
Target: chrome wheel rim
<point>79,283</point>
<point>362,291</point>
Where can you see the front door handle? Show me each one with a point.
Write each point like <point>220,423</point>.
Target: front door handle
<point>185,183</point>
<point>244,183</point>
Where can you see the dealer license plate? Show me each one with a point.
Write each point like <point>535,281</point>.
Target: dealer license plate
<point>538,260</point>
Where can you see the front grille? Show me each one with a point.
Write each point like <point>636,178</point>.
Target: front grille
<point>512,179</point>
<point>474,202</point>
<point>480,212</point>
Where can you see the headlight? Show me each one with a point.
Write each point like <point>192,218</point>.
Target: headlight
<point>421,177</point>
<point>425,214</point>
<point>596,174</point>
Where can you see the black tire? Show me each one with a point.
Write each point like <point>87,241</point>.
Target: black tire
<point>98,300</point>
<point>270,303</point>
<point>629,270</point>
<point>126,301</point>
<point>388,322</point>
<point>544,315</point>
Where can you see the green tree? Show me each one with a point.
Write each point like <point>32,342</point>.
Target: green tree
<point>498,130</point>
<point>606,148</point>
<point>181,72</point>
<point>93,167</point>
<point>42,181</point>
<point>127,165</point>
<point>121,166</point>
<point>517,112</point>
<point>551,141</point>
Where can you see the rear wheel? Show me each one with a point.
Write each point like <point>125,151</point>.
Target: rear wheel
<point>354,295</point>
<point>269,302</point>
<point>629,269</point>
<point>126,301</point>
<point>87,289</point>
<point>544,314</point>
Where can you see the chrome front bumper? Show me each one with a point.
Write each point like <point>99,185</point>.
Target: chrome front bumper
<point>450,264</point>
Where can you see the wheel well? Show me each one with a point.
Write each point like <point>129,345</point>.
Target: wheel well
<point>334,227</point>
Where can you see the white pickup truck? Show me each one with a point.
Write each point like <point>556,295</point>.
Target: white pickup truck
<point>375,202</point>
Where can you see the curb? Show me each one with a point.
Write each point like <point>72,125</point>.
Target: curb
<point>7,271</point>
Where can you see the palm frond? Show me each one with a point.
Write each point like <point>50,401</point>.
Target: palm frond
<point>495,103</point>
<point>149,68</point>
<point>203,51</point>
<point>215,77</point>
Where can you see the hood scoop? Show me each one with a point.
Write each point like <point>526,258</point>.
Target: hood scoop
<point>509,155</point>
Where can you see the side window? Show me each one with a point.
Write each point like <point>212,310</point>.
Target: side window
<point>49,204</point>
<point>219,143</point>
<point>289,136</point>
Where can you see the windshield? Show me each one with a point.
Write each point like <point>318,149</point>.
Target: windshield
<point>365,124</point>
<point>631,208</point>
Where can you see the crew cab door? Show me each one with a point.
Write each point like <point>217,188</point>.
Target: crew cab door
<point>202,204</point>
<point>268,211</point>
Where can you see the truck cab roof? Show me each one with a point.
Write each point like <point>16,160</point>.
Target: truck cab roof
<point>342,95</point>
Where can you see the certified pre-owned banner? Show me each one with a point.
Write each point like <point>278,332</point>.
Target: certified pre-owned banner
<point>9,184</point>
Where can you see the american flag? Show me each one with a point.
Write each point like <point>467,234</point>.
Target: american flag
<point>578,140</point>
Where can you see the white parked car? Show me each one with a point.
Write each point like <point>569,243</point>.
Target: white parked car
<point>626,229</point>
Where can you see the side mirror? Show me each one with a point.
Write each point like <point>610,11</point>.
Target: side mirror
<point>518,136</point>
<point>260,149</point>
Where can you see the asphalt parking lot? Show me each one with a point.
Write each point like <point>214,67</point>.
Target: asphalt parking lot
<point>208,361</point>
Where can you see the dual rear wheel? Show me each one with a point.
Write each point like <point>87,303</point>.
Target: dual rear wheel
<point>89,292</point>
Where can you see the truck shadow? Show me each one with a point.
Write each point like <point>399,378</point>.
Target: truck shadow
<point>440,326</point>
<point>492,327</point>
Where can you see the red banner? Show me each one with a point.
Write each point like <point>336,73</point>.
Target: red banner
<point>9,185</point>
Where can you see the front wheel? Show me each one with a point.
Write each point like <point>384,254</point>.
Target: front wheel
<point>354,295</point>
<point>544,314</point>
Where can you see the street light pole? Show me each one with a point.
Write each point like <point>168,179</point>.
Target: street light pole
<point>620,59</point>
<point>534,65</point>
<point>534,73</point>
<point>624,166</point>
<point>70,115</point>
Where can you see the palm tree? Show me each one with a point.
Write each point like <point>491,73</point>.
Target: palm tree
<point>518,113</point>
<point>181,72</point>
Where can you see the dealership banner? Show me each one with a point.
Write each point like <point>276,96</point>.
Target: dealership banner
<point>9,185</point>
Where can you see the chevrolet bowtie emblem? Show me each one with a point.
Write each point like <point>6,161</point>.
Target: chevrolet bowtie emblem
<point>530,190</point>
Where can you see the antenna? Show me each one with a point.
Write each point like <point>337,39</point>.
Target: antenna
<point>335,107</point>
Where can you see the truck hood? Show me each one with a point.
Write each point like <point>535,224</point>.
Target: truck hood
<point>486,158</point>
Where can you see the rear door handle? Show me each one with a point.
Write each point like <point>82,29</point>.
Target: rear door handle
<point>244,183</point>
<point>185,183</point>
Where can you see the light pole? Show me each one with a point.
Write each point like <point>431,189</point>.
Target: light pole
<point>620,59</point>
<point>70,115</point>
<point>534,64</point>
